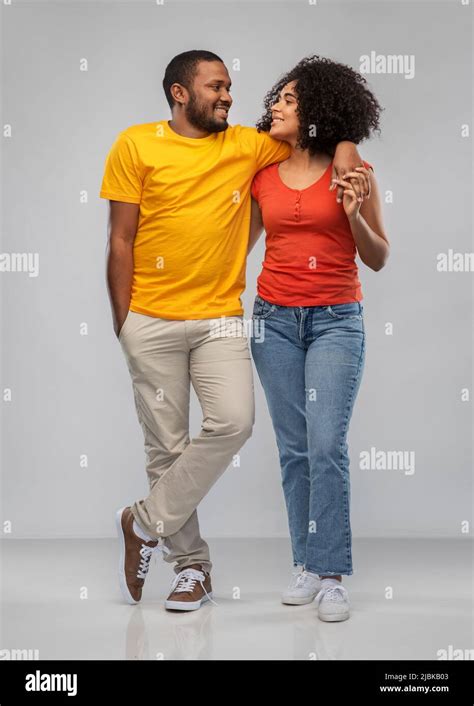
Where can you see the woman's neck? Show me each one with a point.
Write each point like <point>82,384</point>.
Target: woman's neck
<point>303,161</point>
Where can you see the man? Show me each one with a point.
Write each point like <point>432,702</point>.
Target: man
<point>179,195</point>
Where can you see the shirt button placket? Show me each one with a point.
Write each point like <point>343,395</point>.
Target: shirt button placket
<point>297,206</point>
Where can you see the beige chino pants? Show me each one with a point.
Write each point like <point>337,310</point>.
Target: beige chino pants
<point>164,356</point>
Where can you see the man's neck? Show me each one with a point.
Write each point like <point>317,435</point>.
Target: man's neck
<point>185,129</point>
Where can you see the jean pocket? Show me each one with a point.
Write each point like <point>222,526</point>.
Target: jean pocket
<point>349,310</point>
<point>262,309</point>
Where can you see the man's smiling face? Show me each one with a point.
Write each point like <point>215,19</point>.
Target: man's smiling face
<point>209,100</point>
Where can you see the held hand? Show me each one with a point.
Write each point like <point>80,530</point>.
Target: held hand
<point>360,179</point>
<point>346,159</point>
<point>356,187</point>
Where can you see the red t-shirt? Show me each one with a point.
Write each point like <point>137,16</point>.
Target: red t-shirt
<point>310,250</point>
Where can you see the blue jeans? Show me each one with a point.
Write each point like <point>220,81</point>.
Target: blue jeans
<point>310,362</point>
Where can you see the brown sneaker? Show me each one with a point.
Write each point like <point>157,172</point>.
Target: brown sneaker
<point>190,589</point>
<point>135,555</point>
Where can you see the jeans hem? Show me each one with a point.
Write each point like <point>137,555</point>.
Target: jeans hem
<point>347,572</point>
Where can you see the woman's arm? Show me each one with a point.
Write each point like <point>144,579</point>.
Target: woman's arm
<point>346,159</point>
<point>365,219</point>
<point>256,225</point>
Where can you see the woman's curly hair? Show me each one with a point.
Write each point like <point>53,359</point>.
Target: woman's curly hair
<point>334,104</point>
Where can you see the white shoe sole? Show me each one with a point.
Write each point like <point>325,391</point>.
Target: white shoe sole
<point>122,580</point>
<point>288,600</point>
<point>187,605</point>
<point>334,617</point>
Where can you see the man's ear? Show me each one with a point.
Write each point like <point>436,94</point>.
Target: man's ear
<point>177,91</point>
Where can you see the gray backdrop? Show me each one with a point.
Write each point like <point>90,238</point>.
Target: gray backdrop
<point>71,394</point>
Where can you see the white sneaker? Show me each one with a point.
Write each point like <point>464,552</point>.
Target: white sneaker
<point>333,601</point>
<point>303,588</point>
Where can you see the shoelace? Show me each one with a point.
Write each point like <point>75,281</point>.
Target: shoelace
<point>186,580</point>
<point>301,578</point>
<point>294,578</point>
<point>146,553</point>
<point>331,593</point>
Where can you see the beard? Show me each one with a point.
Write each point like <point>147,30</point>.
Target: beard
<point>198,115</point>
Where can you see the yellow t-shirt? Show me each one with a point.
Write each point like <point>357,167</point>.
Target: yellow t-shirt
<point>194,194</point>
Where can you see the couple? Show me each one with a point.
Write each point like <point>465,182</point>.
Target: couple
<point>188,199</point>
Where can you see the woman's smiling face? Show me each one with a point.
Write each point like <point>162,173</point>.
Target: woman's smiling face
<point>285,122</point>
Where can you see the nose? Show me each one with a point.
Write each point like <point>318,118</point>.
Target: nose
<point>275,108</point>
<point>225,96</point>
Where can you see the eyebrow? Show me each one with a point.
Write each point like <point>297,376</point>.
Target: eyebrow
<point>219,80</point>
<point>289,94</point>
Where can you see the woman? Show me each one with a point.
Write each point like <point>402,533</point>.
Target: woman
<point>308,339</point>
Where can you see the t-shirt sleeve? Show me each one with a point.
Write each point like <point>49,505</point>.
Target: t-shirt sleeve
<point>122,180</point>
<point>270,150</point>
